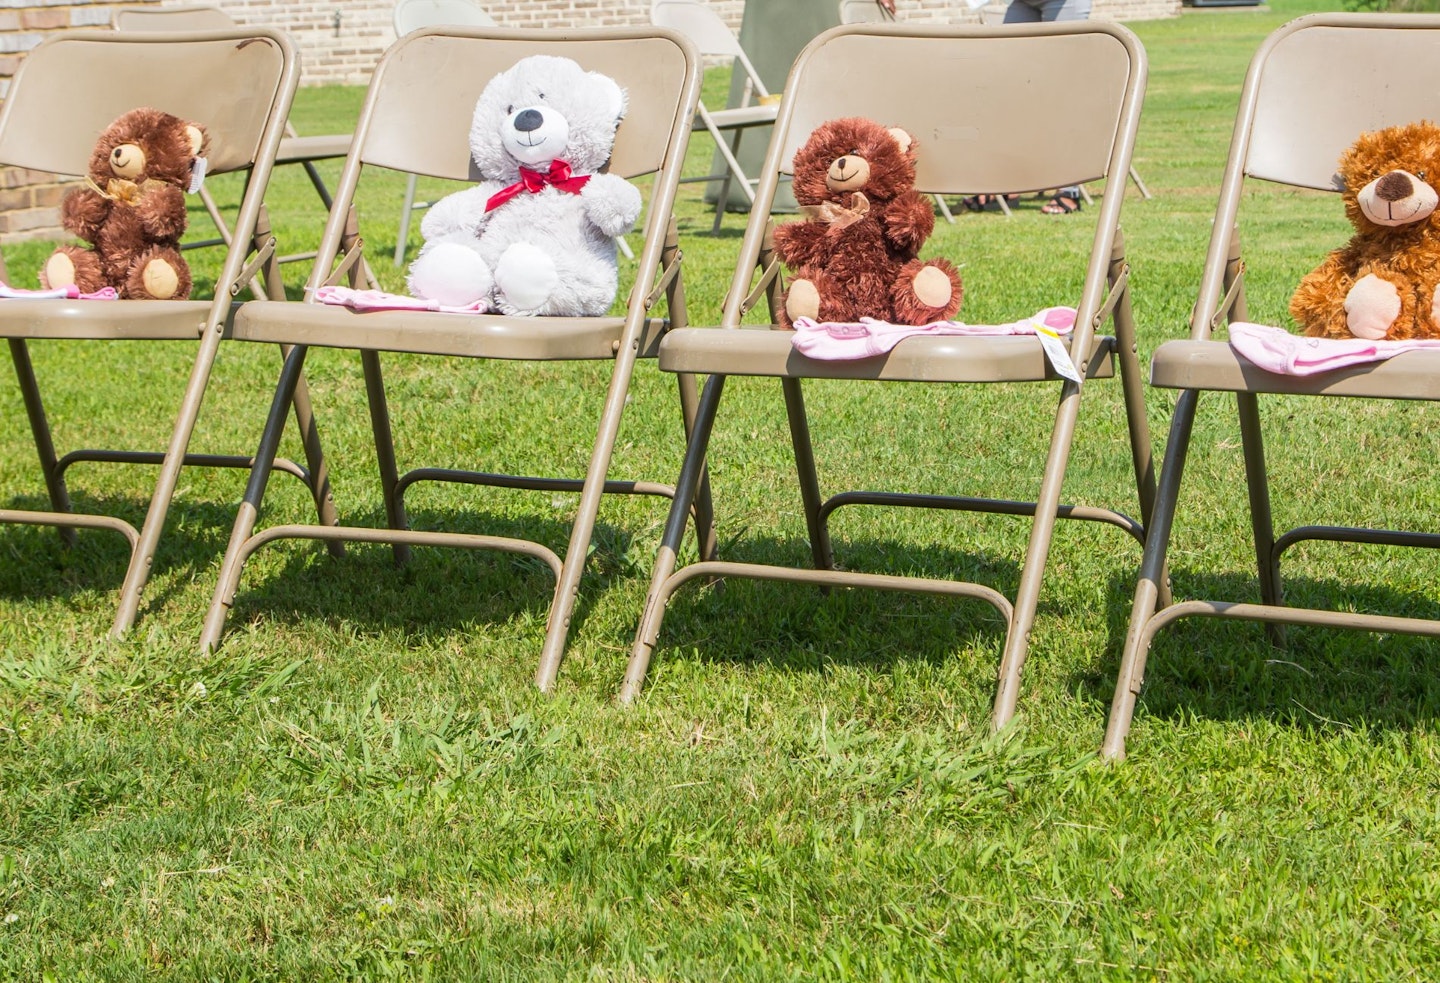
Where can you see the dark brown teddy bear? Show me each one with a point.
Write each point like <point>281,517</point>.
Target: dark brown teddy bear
<point>1382,284</point>
<point>854,253</point>
<point>132,210</point>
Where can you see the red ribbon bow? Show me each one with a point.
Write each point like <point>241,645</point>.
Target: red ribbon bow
<point>533,181</point>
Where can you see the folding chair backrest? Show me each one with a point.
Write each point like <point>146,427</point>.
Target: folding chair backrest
<point>99,76</point>
<point>1313,87</point>
<point>1307,108</point>
<point>706,29</point>
<point>975,127</point>
<point>198,17</point>
<point>410,124</point>
<point>411,15</point>
<point>969,101</point>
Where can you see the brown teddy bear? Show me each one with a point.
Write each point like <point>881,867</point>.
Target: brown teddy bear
<point>132,210</point>
<point>854,253</point>
<point>1382,284</point>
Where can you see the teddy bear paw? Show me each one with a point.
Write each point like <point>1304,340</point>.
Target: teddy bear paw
<point>525,278</point>
<point>58,271</point>
<point>450,274</point>
<point>802,300</point>
<point>1371,307</point>
<point>160,279</point>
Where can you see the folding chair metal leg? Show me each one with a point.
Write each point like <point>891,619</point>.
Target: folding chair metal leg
<point>805,470</point>
<point>245,518</point>
<point>1142,449</point>
<point>40,427</point>
<point>704,504</point>
<point>1139,184</point>
<point>408,206</point>
<point>691,473</point>
<point>1152,580</point>
<point>143,557</point>
<point>1027,597</point>
<point>945,209</point>
<point>1261,521</point>
<point>385,451</point>
<point>567,591</point>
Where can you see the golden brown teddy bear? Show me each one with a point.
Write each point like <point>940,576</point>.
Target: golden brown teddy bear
<point>1382,284</point>
<point>132,210</point>
<point>854,254</point>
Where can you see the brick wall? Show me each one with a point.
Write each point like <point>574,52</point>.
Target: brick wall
<point>339,41</point>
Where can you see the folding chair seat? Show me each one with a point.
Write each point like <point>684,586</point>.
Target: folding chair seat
<point>294,149</point>
<point>967,139</point>
<point>238,83</point>
<point>409,124</point>
<point>1314,86</point>
<point>726,126</point>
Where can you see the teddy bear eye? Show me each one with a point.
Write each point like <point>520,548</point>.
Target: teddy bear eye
<point>1420,175</point>
<point>540,95</point>
<point>509,110</point>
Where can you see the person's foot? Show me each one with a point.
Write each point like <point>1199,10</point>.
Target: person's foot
<point>985,203</point>
<point>1062,204</point>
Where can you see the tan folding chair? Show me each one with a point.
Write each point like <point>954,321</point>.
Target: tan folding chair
<point>409,124</point>
<point>1314,86</point>
<point>977,82</point>
<point>294,149</point>
<point>238,83</point>
<point>713,37</point>
<point>411,15</point>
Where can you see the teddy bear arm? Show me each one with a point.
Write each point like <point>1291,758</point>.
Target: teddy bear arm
<point>801,243</point>
<point>162,212</point>
<point>908,222</point>
<point>612,204</point>
<point>463,211</point>
<point>82,212</point>
<point>1318,304</point>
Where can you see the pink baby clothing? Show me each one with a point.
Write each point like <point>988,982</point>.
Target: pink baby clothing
<point>378,300</point>
<point>1279,351</point>
<point>71,292</point>
<point>869,337</point>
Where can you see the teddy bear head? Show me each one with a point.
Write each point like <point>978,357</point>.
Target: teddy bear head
<point>544,109</point>
<point>1390,178</point>
<point>148,145</point>
<point>844,156</point>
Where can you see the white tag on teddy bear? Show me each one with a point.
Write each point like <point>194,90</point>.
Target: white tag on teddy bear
<point>197,174</point>
<point>1056,352</point>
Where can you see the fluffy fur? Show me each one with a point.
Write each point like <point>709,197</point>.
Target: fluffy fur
<point>550,252</point>
<point>854,253</point>
<point>1382,284</point>
<point>132,210</point>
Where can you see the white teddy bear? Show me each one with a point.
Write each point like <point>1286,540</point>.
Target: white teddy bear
<point>537,234</point>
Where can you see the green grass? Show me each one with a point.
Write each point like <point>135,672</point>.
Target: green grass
<point>362,783</point>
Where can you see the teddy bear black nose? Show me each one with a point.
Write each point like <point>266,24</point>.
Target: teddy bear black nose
<point>842,163</point>
<point>530,119</point>
<point>1394,186</point>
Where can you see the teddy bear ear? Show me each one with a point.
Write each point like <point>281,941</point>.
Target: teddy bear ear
<point>905,140</point>
<point>613,95</point>
<point>196,136</point>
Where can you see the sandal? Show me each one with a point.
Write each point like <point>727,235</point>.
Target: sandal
<point>1061,204</point>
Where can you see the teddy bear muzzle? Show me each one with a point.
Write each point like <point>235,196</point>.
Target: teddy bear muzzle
<point>1397,198</point>
<point>127,161</point>
<point>847,173</point>
<point>536,135</point>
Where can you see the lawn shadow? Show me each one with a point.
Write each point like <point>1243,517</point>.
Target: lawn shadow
<point>440,590</point>
<point>1228,670</point>
<point>41,565</point>
<point>800,628</point>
